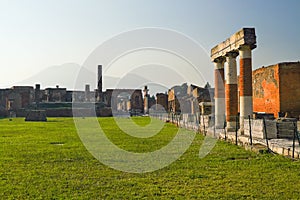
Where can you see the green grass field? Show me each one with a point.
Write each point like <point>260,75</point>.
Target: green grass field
<point>48,161</point>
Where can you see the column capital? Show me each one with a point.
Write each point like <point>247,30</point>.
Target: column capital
<point>220,59</point>
<point>219,62</point>
<point>245,47</point>
<point>232,54</point>
<point>245,51</point>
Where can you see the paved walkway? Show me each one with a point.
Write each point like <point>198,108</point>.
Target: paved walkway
<point>280,146</point>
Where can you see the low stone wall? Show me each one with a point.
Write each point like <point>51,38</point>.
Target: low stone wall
<point>280,128</point>
<point>59,112</point>
<point>257,128</point>
<point>104,112</point>
<point>36,115</point>
<point>3,113</point>
<point>285,127</point>
<point>83,112</point>
<point>204,122</point>
<point>68,112</point>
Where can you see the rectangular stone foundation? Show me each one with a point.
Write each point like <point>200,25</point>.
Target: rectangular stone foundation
<point>257,128</point>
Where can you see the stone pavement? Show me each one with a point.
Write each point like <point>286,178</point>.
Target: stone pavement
<point>279,146</point>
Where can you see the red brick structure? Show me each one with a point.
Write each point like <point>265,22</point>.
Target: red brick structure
<point>276,89</point>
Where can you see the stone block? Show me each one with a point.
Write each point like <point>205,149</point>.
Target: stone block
<point>36,115</point>
<point>245,36</point>
<point>257,128</point>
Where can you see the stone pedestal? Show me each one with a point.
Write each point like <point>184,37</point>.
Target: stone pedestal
<point>36,115</point>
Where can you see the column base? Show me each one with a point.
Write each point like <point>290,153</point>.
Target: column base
<point>241,132</point>
<point>231,127</point>
<point>219,126</point>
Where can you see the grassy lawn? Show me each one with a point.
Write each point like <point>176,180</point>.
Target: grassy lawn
<point>48,161</point>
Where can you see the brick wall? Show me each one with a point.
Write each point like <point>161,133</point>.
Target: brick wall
<point>276,88</point>
<point>265,85</point>
<point>290,88</point>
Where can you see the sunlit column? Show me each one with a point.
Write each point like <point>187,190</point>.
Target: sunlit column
<point>245,85</point>
<point>219,93</point>
<point>231,91</point>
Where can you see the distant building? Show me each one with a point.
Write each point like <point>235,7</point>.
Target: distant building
<point>118,100</point>
<point>55,94</point>
<point>16,97</point>
<point>186,98</point>
<point>176,94</point>
<point>58,101</point>
<point>162,101</point>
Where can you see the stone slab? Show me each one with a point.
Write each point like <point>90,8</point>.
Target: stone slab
<point>245,36</point>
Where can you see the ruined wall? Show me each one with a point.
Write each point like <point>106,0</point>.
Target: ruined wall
<point>3,94</point>
<point>173,103</point>
<point>56,94</point>
<point>19,97</point>
<point>112,96</point>
<point>136,100</point>
<point>266,90</point>
<point>277,89</point>
<point>162,99</point>
<point>290,88</point>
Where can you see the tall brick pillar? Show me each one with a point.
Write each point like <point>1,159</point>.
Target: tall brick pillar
<point>231,92</point>
<point>219,93</point>
<point>245,84</point>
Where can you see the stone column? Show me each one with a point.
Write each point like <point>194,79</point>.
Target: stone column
<point>99,85</point>
<point>219,93</point>
<point>37,94</point>
<point>146,103</point>
<point>245,85</point>
<point>87,93</point>
<point>231,92</point>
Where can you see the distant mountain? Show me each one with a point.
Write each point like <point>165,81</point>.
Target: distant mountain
<point>74,77</point>
<point>62,75</point>
<point>70,75</point>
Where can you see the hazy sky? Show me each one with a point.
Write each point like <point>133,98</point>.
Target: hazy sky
<point>37,34</point>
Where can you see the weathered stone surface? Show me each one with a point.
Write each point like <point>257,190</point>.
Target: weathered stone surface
<point>245,36</point>
<point>36,115</point>
<point>286,127</point>
<point>276,89</point>
<point>257,128</point>
<point>275,128</point>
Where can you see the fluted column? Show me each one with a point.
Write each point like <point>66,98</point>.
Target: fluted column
<point>219,93</point>
<point>231,91</point>
<point>245,84</point>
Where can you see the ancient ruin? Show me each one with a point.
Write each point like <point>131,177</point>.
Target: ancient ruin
<point>25,101</point>
<point>226,81</point>
<point>36,115</point>
<point>276,89</point>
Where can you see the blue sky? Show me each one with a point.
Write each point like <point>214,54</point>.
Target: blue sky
<point>37,34</point>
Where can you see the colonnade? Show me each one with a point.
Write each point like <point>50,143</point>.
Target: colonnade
<point>229,91</point>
